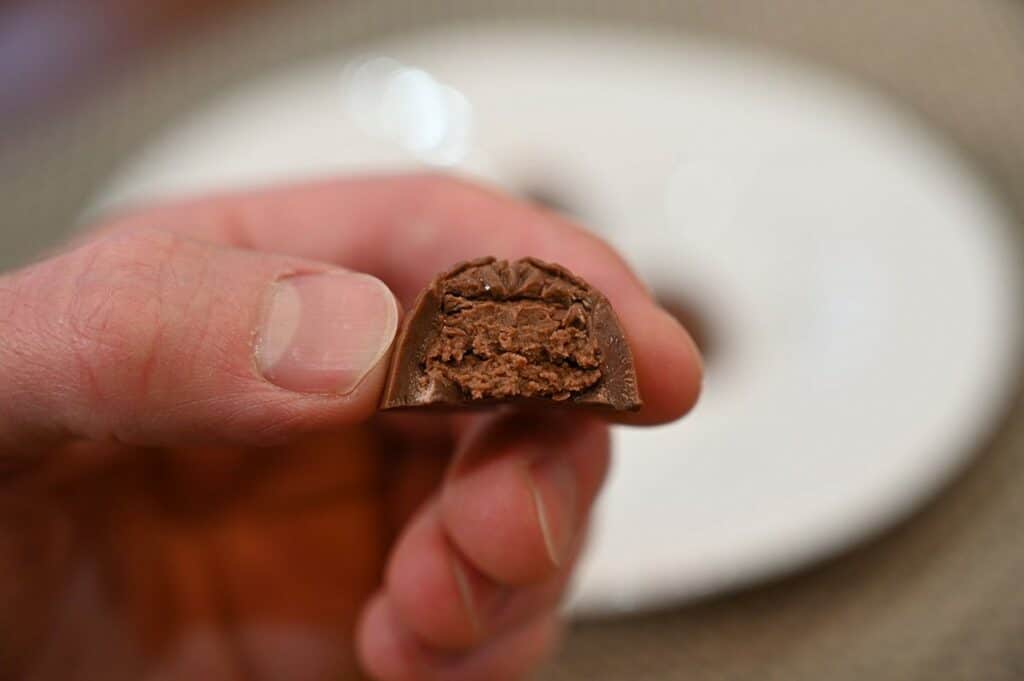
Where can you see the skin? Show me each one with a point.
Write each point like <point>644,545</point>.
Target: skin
<point>167,512</point>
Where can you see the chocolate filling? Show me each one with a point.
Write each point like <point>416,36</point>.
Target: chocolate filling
<point>514,330</point>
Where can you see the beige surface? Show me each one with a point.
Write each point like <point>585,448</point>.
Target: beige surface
<point>941,597</point>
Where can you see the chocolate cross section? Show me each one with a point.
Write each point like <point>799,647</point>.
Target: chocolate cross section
<point>491,331</point>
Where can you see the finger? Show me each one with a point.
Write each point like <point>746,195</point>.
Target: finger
<point>358,222</point>
<point>519,492</point>
<point>448,604</point>
<point>439,596</point>
<point>390,653</point>
<point>466,555</point>
<point>406,229</point>
<point>151,338</point>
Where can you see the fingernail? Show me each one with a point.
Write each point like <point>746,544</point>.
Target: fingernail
<point>323,333</point>
<point>553,486</point>
<point>481,598</point>
<point>466,596</point>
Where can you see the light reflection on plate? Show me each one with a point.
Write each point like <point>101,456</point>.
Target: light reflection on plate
<point>861,279</point>
<point>409,108</point>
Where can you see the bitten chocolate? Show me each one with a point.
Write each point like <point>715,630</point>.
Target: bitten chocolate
<point>492,331</point>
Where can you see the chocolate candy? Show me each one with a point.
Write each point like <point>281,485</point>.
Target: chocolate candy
<point>490,331</point>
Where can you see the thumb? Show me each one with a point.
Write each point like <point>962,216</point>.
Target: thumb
<point>150,338</point>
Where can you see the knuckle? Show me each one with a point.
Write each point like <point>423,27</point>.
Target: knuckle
<point>119,302</point>
<point>21,367</point>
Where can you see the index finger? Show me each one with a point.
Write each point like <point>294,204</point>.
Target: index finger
<point>406,229</point>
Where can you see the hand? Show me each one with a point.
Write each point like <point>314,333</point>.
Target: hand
<point>193,480</point>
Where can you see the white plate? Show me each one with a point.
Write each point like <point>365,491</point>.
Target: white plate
<point>859,277</point>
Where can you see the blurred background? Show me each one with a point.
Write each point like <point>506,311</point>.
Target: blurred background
<point>829,193</point>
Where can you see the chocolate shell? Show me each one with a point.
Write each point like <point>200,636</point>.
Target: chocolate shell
<point>492,331</point>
